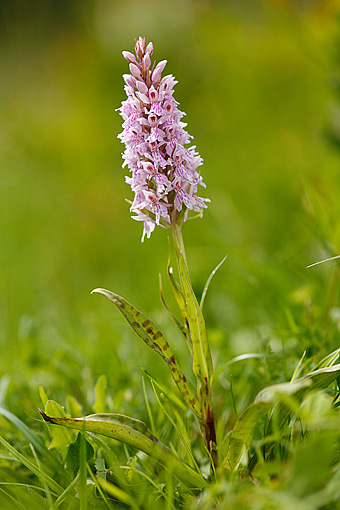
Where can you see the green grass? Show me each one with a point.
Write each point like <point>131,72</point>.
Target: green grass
<point>259,85</point>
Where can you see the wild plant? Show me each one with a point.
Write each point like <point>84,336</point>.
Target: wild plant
<point>165,180</point>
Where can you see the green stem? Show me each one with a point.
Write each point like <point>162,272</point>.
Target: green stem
<point>202,363</point>
<point>176,230</point>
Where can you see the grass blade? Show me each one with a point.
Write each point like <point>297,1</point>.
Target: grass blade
<point>206,286</point>
<point>242,357</point>
<point>241,435</point>
<point>32,467</point>
<point>322,261</point>
<point>30,436</point>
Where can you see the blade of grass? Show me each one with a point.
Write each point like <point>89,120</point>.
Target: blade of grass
<point>242,357</point>
<point>30,436</point>
<point>51,483</point>
<point>99,488</point>
<point>82,471</point>
<point>175,426</point>
<point>42,477</point>
<point>118,493</point>
<point>298,368</point>
<point>278,393</point>
<point>170,395</point>
<point>206,286</point>
<point>322,261</point>
<point>147,403</point>
<point>66,492</point>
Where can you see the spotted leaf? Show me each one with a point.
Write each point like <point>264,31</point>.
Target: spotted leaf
<point>134,433</point>
<point>153,337</point>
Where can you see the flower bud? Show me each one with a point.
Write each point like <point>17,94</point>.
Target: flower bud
<point>149,49</point>
<point>140,48</point>
<point>129,56</point>
<point>156,75</point>
<point>147,61</point>
<point>142,87</point>
<point>129,80</point>
<point>135,71</point>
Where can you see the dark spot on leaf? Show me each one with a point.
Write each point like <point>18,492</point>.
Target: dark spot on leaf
<point>46,418</point>
<point>206,385</point>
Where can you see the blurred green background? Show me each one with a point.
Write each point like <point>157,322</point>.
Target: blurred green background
<point>258,81</point>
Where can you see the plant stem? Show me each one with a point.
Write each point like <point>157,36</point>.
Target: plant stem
<point>204,382</point>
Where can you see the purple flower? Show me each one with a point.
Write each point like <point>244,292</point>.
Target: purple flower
<point>164,174</point>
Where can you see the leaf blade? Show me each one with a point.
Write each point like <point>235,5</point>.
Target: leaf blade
<point>153,337</point>
<point>202,362</point>
<point>265,400</point>
<point>135,433</point>
<point>212,274</point>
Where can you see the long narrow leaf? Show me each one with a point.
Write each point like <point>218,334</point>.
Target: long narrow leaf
<point>154,338</point>
<point>206,286</point>
<point>173,317</point>
<point>32,467</point>
<point>202,362</point>
<point>241,435</point>
<point>242,357</point>
<point>30,436</point>
<point>135,433</point>
<point>177,294</point>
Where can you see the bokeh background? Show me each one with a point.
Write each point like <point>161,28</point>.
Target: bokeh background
<point>259,83</point>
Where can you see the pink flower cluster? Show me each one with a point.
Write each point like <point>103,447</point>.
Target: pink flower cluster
<point>164,172</point>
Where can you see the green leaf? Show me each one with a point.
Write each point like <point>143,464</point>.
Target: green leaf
<point>135,433</point>
<point>242,357</point>
<point>177,323</point>
<point>178,295</point>
<point>153,337</point>
<point>100,468</point>
<point>73,407</point>
<point>315,380</point>
<point>241,434</point>
<point>269,394</point>
<point>101,394</point>
<point>43,396</point>
<point>118,494</point>
<point>61,439</point>
<point>201,357</point>
<point>240,437</point>
<point>32,467</point>
<point>30,436</point>
<point>206,286</point>
<point>167,391</point>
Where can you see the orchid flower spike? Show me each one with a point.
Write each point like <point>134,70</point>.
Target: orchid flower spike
<point>164,174</point>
